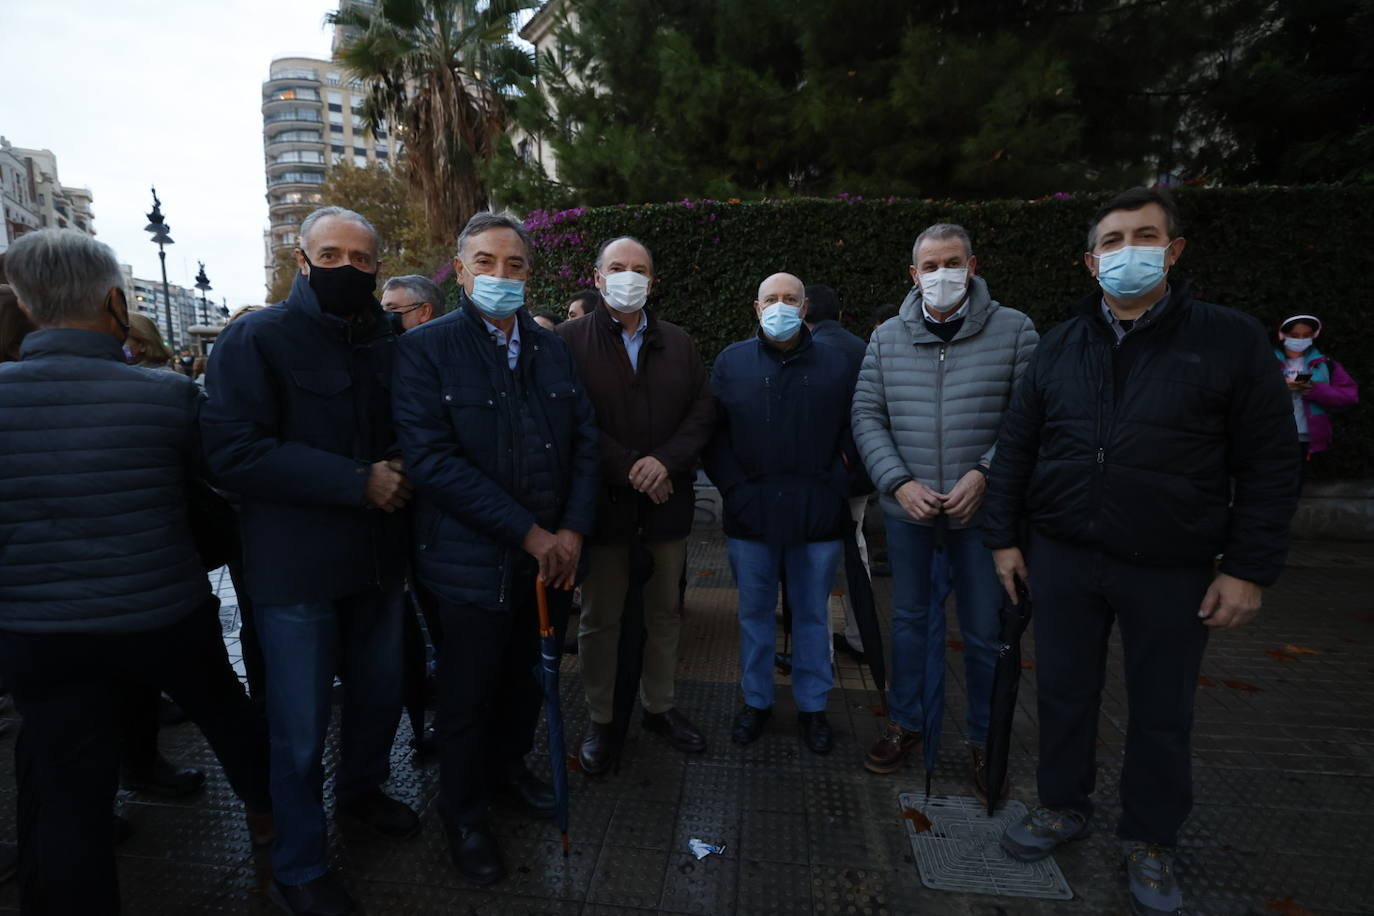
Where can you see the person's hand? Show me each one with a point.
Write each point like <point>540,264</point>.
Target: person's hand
<point>1011,565</point>
<point>570,542</point>
<point>387,487</point>
<point>963,501</point>
<point>647,474</point>
<point>661,493</point>
<point>919,500</point>
<point>1299,387</point>
<point>549,552</point>
<point>1230,602</point>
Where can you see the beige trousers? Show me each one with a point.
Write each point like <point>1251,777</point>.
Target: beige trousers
<point>598,635</point>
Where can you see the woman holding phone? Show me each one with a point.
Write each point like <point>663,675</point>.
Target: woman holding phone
<point>1318,383</point>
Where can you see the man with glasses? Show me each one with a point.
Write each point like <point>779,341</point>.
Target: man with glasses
<point>501,441</point>
<point>415,298</point>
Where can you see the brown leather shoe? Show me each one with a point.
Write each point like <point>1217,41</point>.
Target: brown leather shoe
<point>891,748</point>
<point>597,752</point>
<point>978,772</point>
<point>678,729</point>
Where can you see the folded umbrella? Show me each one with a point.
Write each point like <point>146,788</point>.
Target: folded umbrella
<point>546,672</point>
<point>1006,680</point>
<point>865,608</point>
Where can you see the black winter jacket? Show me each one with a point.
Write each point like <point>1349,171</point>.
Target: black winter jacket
<point>1132,448</point>
<point>782,450</point>
<point>832,334</point>
<point>94,460</point>
<point>463,442</point>
<point>299,410</point>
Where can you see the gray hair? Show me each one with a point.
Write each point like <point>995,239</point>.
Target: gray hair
<point>485,220</point>
<point>939,232</point>
<point>422,288</point>
<point>62,275</point>
<point>601,252</point>
<point>343,213</point>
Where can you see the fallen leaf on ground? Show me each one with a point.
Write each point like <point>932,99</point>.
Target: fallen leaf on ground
<point>706,572</point>
<point>1301,650</point>
<point>1027,664</point>
<point>574,763</point>
<point>1280,655</point>
<point>1287,907</point>
<point>955,644</point>
<point>1205,681</point>
<point>878,709</point>
<point>918,818</point>
<point>1242,686</point>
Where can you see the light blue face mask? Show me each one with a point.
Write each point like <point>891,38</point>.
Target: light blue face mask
<point>781,321</point>
<point>496,297</point>
<point>1130,271</point>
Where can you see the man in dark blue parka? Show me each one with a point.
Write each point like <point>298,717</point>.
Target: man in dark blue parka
<point>500,439</point>
<point>299,425</point>
<point>100,581</point>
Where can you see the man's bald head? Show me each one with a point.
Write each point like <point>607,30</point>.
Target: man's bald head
<point>782,287</point>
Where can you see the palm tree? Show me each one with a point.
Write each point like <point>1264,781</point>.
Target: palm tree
<point>442,74</point>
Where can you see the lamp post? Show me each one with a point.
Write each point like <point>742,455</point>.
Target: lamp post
<point>203,284</point>
<point>158,227</point>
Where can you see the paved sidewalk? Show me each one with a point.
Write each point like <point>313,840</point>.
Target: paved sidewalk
<point>1284,770</point>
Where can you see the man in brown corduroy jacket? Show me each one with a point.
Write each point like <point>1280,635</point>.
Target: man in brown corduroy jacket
<point>655,413</point>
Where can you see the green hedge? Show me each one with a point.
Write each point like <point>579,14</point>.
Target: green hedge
<point>1272,252</point>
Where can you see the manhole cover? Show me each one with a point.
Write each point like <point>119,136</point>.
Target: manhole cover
<point>959,851</point>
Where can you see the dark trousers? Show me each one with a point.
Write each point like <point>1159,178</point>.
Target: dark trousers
<point>1078,593</point>
<point>67,757</point>
<point>136,709</point>
<point>489,700</point>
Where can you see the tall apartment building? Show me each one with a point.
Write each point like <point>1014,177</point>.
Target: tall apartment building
<point>34,198</point>
<point>311,119</point>
<point>145,297</point>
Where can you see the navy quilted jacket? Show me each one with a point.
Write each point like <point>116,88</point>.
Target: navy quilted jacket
<point>94,457</point>
<point>465,450</point>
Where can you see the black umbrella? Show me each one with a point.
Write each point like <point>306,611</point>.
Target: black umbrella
<point>546,672</point>
<point>1005,682</point>
<point>865,609</point>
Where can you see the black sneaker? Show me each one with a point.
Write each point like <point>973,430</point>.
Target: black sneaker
<point>325,896</point>
<point>816,733</point>
<point>749,723</point>
<point>164,779</point>
<point>383,814</point>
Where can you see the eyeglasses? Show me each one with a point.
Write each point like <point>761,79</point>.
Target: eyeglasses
<point>402,309</point>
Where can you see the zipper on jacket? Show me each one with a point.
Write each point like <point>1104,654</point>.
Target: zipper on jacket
<point>940,420</point>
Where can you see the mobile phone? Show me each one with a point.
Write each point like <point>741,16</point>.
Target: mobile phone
<point>1303,377</point>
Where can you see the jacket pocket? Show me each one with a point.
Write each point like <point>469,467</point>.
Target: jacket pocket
<point>472,411</point>
<point>322,410</point>
<point>561,393</point>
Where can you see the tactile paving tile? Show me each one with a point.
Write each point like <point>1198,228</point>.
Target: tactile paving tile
<point>960,851</point>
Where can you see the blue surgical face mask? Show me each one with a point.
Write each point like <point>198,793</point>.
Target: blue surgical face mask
<point>781,321</point>
<point>497,297</point>
<point>1132,271</point>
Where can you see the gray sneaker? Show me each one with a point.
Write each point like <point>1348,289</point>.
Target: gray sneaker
<point>1038,833</point>
<point>1150,874</point>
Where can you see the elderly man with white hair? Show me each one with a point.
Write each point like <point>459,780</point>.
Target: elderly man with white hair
<point>100,581</point>
<point>781,457</point>
<point>299,425</point>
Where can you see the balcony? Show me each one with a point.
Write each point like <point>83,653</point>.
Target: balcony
<point>291,160</point>
<point>288,76</point>
<point>286,140</point>
<point>291,116</point>
<point>292,94</point>
<point>299,177</point>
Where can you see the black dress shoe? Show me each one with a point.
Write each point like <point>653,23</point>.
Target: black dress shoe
<point>475,854</point>
<point>749,724</point>
<point>534,793</point>
<point>598,750</point>
<point>383,814</point>
<point>325,896</point>
<point>164,779</point>
<point>816,732</point>
<point>678,729</point>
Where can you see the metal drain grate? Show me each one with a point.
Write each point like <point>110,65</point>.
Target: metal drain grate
<point>960,853</point>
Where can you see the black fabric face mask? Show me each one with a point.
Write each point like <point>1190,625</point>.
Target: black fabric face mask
<point>343,291</point>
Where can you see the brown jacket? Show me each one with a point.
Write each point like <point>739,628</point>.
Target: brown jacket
<point>666,410</point>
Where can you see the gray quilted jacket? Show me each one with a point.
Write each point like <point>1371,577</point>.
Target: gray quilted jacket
<point>929,411</point>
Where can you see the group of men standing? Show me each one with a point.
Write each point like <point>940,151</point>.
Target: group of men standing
<point>476,453</point>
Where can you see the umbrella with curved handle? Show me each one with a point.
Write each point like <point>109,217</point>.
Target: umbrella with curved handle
<point>546,672</point>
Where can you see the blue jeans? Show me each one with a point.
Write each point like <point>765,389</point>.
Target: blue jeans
<point>978,597</point>
<point>810,576</point>
<point>304,647</point>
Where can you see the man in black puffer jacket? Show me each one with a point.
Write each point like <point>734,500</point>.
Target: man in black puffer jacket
<point>100,582</point>
<point>1135,423</point>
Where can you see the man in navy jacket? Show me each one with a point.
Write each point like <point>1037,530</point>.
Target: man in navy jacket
<point>780,457</point>
<point>500,439</point>
<point>299,425</point>
<point>100,581</point>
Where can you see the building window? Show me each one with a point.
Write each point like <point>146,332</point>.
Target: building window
<point>336,128</point>
<point>360,161</point>
<point>335,97</point>
<point>360,152</point>
<point>381,155</point>
<point>332,78</point>
<point>357,122</point>
<point>336,148</point>
<point>333,107</point>
<point>335,117</point>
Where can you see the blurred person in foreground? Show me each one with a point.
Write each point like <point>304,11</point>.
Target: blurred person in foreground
<point>100,581</point>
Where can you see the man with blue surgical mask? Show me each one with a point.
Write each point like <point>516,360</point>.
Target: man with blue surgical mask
<point>781,456</point>
<point>1149,435</point>
<point>500,441</point>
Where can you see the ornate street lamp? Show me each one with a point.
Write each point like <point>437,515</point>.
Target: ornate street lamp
<point>203,284</point>
<point>157,225</point>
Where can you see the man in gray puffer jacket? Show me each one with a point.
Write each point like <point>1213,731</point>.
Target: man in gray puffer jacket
<point>934,385</point>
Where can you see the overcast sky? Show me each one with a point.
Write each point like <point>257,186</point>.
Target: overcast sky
<point>131,93</point>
